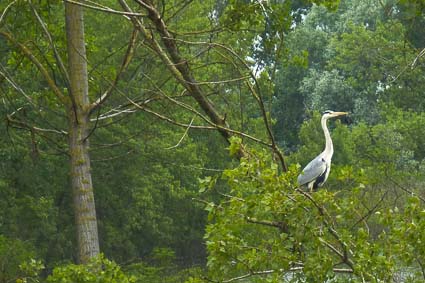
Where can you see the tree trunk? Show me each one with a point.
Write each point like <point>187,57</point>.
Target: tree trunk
<point>78,119</point>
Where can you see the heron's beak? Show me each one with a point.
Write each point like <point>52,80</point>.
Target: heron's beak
<point>336,114</point>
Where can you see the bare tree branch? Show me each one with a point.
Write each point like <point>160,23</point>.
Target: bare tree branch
<point>52,45</point>
<point>3,15</point>
<point>215,127</point>
<point>23,125</point>
<point>371,211</point>
<point>126,61</point>
<point>254,91</point>
<point>266,272</point>
<point>179,67</point>
<point>403,188</point>
<point>278,224</point>
<point>185,106</point>
<point>185,133</point>
<point>10,80</point>
<point>322,211</point>
<point>114,114</point>
<point>61,97</point>
<point>420,55</point>
<point>175,63</point>
<point>331,247</point>
<point>102,8</point>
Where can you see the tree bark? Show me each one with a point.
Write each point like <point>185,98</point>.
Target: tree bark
<point>78,121</point>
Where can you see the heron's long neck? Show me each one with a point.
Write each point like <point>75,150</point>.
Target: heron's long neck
<point>329,148</point>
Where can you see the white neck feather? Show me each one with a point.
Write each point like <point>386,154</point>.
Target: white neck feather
<point>329,148</point>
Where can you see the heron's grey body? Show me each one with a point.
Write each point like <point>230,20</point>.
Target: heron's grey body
<point>316,172</point>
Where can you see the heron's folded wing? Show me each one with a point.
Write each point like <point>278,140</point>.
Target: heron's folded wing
<point>314,169</point>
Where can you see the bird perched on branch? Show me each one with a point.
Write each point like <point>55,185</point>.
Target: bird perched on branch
<point>316,172</point>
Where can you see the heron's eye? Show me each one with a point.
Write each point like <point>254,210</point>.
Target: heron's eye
<point>327,112</point>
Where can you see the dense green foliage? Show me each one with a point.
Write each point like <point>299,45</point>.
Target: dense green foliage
<point>179,204</point>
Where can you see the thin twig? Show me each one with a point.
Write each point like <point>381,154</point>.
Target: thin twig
<point>107,9</point>
<point>51,43</point>
<point>255,93</point>
<point>15,85</point>
<point>125,62</point>
<point>58,93</point>
<point>23,125</point>
<point>215,127</point>
<point>3,15</point>
<point>281,225</point>
<point>403,188</point>
<point>116,113</point>
<point>266,272</point>
<point>370,211</point>
<point>322,211</point>
<point>422,53</point>
<point>172,58</point>
<point>185,133</point>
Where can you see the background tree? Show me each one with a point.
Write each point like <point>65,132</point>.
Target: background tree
<point>76,106</point>
<point>70,88</point>
<point>78,111</point>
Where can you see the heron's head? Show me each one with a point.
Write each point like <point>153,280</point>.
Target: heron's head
<point>331,114</point>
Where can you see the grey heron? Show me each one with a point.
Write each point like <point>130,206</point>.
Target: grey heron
<point>316,172</point>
